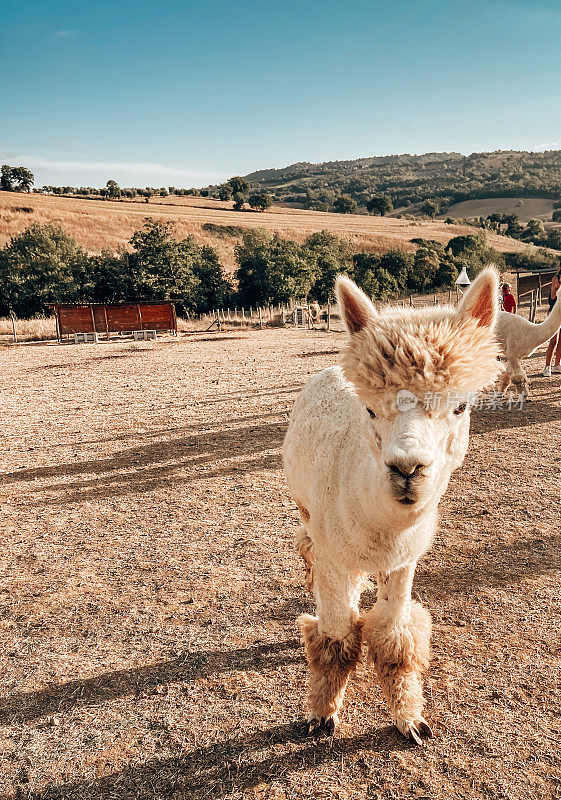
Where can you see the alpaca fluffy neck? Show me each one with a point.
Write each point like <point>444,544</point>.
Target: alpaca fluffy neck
<point>541,332</point>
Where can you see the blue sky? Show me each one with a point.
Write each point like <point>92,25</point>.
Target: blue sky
<point>190,93</point>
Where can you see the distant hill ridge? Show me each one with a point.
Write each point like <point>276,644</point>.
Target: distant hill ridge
<point>409,179</point>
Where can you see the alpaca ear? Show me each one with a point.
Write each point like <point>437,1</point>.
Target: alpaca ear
<point>356,308</point>
<point>481,301</point>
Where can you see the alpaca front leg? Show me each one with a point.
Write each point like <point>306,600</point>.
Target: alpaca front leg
<point>397,631</point>
<point>333,642</point>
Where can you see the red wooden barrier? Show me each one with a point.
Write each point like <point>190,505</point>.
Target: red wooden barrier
<point>114,318</point>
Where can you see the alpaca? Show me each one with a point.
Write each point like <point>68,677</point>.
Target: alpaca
<point>367,460</point>
<point>315,313</point>
<point>519,338</point>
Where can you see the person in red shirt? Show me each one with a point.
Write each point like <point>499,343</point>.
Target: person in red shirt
<point>509,303</point>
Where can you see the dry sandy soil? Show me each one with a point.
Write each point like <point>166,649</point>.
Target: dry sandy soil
<point>99,224</point>
<point>149,588</point>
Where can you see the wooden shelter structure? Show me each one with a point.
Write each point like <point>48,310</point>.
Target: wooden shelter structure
<point>107,318</point>
<point>537,281</point>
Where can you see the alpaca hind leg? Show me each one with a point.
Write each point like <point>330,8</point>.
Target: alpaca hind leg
<point>305,547</point>
<point>333,642</point>
<point>504,380</point>
<point>397,631</point>
<point>519,380</point>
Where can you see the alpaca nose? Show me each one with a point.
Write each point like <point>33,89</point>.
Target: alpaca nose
<point>406,465</point>
<point>398,472</point>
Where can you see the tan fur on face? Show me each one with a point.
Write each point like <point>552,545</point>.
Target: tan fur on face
<point>428,350</point>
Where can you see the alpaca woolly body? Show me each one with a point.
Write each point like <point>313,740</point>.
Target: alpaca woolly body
<point>368,489</point>
<point>519,338</point>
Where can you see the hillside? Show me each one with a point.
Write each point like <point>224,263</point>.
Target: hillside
<point>409,179</point>
<point>525,208</point>
<point>108,225</point>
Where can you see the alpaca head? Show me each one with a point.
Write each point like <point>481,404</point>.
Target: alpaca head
<point>415,371</point>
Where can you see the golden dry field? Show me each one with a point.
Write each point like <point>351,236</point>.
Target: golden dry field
<point>150,587</point>
<point>104,224</point>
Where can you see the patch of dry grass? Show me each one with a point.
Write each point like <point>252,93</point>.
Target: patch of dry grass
<point>104,224</point>
<point>150,586</point>
<point>28,329</point>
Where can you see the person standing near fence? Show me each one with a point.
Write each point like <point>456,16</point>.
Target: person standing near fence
<point>555,340</point>
<point>508,300</point>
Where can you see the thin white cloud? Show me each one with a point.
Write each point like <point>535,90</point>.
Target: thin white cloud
<point>122,167</point>
<point>64,34</point>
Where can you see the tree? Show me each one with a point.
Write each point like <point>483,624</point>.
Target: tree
<point>113,189</point>
<point>160,267</point>
<point>327,256</point>
<point>23,179</point>
<point>381,203</point>
<point>425,268</point>
<point>225,191</point>
<point>398,263</point>
<point>238,185</point>
<point>345,205</point>
<point>239,200</point>
<point>240,191</point>
<point>260,202</point>
<point>271,269</point>
<point>16,179</point>
<point>372,279</point>
<point>6,180</point>
<point>213,289</point>
<point>534,231</point>
<point>40,267</point>
<point>429,208</point>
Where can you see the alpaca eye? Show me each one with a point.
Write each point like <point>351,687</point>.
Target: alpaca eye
<point>460,409</point>
<point>372,414</point>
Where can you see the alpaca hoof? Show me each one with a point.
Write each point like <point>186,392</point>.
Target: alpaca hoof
<point>327,724</point>
<point>414,730</point>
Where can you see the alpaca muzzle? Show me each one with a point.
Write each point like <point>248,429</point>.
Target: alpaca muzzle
<point>407,471</point>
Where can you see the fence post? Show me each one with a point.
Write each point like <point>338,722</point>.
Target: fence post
<point>14,326</point>
<point>410,299</point>
<point>450,296</point>
<point>329,316</point>
<point>260,318</point>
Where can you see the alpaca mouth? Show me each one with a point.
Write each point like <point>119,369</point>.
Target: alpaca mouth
<point>406,501</point>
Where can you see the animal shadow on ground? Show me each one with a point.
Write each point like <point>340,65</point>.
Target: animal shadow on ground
<point>227,766</point>
<point>216,338</point>
<point>534,412</point>
<point>151,463</point>
<point>499,566</point>
<point>143,680</point>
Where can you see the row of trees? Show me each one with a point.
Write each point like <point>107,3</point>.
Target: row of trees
<point>236,189</point>
<point>271,269</point>
<point>534,232</point>
<point>45,265</point>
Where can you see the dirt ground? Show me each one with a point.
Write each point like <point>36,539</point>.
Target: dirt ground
<point>149,588</point>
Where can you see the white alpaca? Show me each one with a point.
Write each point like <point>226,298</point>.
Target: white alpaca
<point>367,469</point>
<point>519,338</point>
